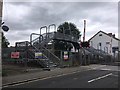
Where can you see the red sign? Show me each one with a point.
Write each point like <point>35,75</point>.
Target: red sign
<point>15,54</point>
<point>65,55</point>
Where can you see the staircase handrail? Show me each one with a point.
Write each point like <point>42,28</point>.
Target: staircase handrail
<point>51,53</point>
<point>37,49</point>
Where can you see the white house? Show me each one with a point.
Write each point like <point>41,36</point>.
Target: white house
<point>106,42</point>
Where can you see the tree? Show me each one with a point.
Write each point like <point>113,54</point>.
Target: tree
<point>70,29</point>
<point>5,42</point>
<point>61,45</point>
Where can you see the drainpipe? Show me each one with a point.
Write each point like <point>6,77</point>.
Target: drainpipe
<point>111,48</point>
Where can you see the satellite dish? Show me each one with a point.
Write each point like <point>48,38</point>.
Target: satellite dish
<point>5,28</point>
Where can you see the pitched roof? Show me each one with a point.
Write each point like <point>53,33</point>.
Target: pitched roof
<point>104,33</point>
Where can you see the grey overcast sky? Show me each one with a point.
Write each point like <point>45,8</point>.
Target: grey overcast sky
<point>24,18</point>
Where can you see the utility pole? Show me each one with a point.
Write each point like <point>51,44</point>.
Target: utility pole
<point>111,47</point>
<point>1,5</point>
<point>84,30</point>
<point>84,58</point>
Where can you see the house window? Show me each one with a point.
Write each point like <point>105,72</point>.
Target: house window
<point>99,44</point>
<point>107,42</point>
<point>100,34</point>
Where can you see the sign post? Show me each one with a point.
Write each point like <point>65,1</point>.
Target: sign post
<point>61,58</point>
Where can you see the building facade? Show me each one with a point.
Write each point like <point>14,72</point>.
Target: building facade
<point>106,42</point>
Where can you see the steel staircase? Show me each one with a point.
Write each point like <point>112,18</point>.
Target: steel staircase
<point>39,45</point>
<point>97,52</point>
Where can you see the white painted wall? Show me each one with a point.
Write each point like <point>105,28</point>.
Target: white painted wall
<point>94,42</point>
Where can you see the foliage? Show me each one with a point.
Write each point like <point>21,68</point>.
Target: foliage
<point>5,42</point>
<point>61,45</point>
<point>69,29</point>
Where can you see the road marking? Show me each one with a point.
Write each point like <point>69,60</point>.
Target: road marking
<point>98,67</point>
<point>110,70</point>
<point>99,78</point>
<point>106,69</point>
<point>114,75</point>
<point>75,78</point>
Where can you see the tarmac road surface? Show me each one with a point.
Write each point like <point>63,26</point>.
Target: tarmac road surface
<point>103,77</point>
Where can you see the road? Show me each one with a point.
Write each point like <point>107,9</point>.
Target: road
<point>97,77</point>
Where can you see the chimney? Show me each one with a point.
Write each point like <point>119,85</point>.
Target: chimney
<point>113,35</point>
<point>110,34</point>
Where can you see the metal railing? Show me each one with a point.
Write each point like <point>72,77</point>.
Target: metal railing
<point>51,55</point>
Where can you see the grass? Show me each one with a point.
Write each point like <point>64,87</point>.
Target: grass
<point>67,63</point>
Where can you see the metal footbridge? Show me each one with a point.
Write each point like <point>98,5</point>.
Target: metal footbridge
<point>40,45</point>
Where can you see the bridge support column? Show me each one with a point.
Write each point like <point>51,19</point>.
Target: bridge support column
<point>61,58</point>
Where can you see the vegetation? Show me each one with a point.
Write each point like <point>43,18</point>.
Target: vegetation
<point>5,42</point>
<point>4,73</point>
<point>61,45</point>
<point>69,29</point>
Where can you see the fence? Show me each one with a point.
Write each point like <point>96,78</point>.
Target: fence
<point>72,58</point>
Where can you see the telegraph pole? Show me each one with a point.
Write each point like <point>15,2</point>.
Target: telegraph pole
<point>84,30</point>
<point>84,58</point>
<point>1,4</point>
